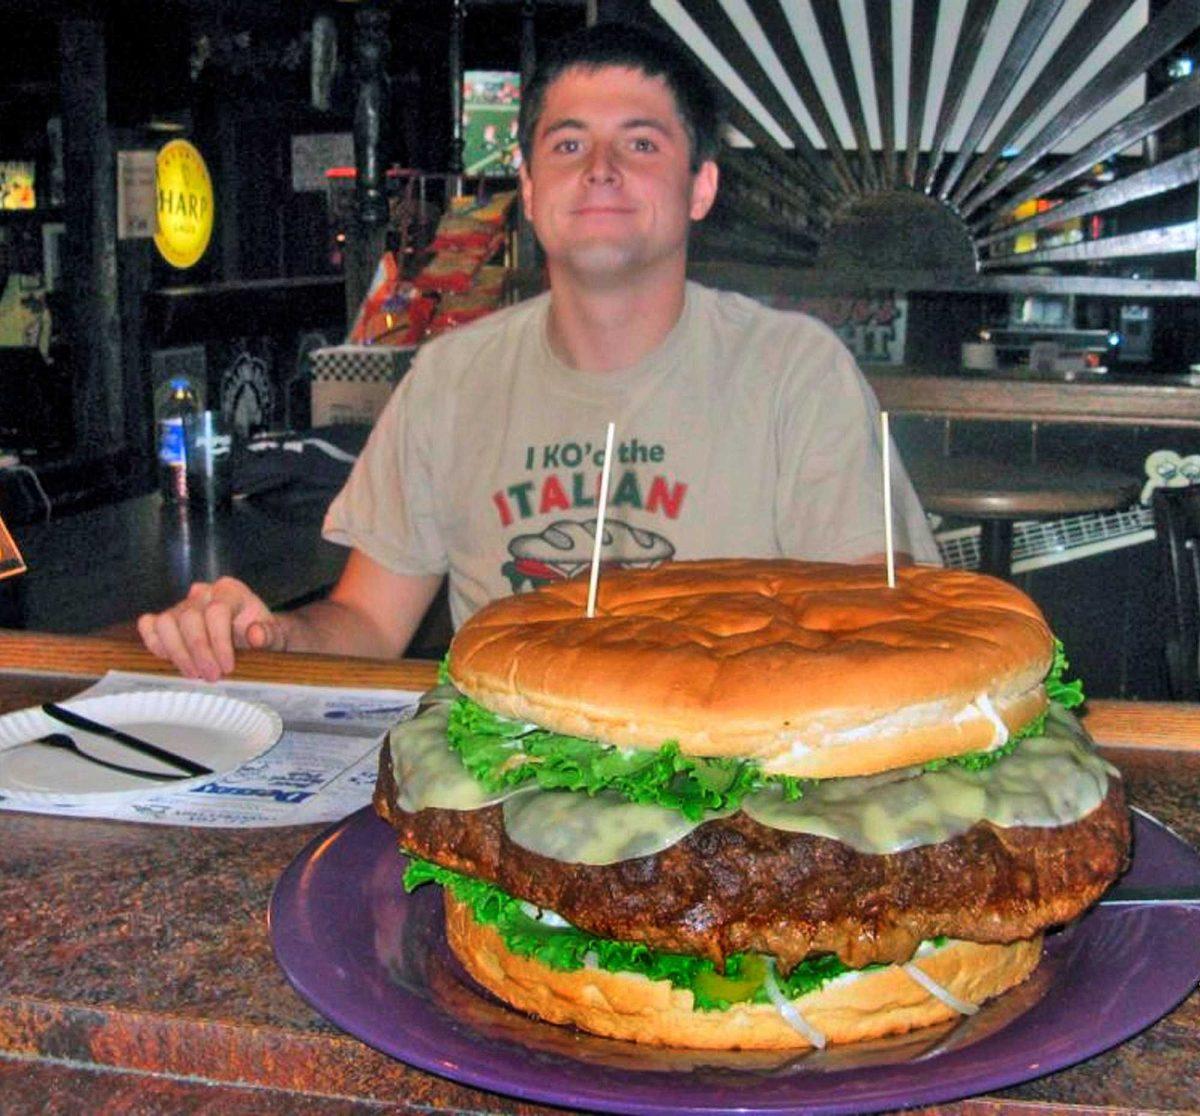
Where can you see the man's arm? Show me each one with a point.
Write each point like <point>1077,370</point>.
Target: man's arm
<point>371,612</point>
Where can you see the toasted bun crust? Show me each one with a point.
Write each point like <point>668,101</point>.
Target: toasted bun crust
<point>630,1006</point>
<point>815,669</point>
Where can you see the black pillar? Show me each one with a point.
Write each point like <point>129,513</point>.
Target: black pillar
<point>526,244</point>
<point>528,40</point>
<point>90,275</point>
<point>456,87</point>
<point>367,235</point>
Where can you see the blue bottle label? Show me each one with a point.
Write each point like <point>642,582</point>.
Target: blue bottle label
<point>170,441</point>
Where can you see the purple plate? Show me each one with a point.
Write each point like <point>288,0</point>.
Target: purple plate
<point>374,961</point>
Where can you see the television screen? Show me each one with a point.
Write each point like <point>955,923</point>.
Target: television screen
<point>491,99</point>
<point>16,184</point>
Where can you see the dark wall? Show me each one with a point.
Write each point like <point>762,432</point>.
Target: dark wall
<point>420,71</point>
<point>1104,606</point>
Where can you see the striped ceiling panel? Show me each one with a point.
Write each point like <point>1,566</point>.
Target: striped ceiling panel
<point>985,144</point>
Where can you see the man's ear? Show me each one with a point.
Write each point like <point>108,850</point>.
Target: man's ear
<point>704,190</point>
<point>526,191</point>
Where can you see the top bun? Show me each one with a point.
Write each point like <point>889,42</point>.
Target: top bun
<point>813,669</point>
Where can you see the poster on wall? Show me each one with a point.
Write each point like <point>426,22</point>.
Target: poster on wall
<point>491,100</point>
<point>872,326</point>
<point>137,211</point>
<point>17,184</point>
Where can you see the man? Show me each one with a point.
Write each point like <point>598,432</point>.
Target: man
<point>741,431</point>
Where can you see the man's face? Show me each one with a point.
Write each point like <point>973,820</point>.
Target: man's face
<point>608,188</point>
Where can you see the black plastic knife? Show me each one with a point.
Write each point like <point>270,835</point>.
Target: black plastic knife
<point>78,721</point>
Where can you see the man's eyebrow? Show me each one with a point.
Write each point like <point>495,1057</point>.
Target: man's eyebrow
<point>650,122</point>
<point>565,124</point>
<point>569,123</point>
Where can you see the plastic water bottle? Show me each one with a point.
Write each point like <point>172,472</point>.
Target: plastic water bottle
<point>181,401</point>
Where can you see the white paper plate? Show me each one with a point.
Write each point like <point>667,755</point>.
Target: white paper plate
<point>218,731</point>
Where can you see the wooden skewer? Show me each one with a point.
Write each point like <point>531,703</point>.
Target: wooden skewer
<point>887,500</point>
<point>598,543</point>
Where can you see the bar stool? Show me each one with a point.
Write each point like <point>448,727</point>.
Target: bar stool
<point>999,493</point>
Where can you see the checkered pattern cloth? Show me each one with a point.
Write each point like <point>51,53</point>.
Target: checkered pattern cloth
<point>361,363</point>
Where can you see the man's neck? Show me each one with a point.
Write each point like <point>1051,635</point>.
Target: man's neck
<point>605,330</point>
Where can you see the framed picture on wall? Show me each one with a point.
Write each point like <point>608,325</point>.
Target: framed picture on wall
<point>17,184</point>
<point>491,101</point>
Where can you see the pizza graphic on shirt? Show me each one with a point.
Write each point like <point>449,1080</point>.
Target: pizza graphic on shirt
<point>564,549</point>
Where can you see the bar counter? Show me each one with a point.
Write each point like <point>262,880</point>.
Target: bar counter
<point>141,555</point>
<point>1020,395</point>
<point>136,970</point>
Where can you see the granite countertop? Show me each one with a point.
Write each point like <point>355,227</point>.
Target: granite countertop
<point>136,961</point>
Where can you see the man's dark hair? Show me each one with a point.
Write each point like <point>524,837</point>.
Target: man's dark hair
<point>637,48</point>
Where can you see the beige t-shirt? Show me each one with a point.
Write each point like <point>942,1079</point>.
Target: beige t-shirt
<point>749,432</point>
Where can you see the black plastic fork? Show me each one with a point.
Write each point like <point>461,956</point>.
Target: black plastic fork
<point>67,744</point>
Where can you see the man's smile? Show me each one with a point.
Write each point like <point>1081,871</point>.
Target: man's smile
<point>602,210</point>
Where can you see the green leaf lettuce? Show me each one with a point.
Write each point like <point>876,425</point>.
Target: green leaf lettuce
<point>503,753</point>
<point>568,948</point>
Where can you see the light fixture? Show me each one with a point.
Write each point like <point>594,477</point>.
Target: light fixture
<point>1180,67</point>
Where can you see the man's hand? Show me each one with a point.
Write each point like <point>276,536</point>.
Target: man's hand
<point>200,633</point>
<point>371,612</point>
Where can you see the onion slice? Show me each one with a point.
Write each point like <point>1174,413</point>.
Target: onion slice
<point>938,992</point>
<point>788,1010</point>
<point>984,704</point>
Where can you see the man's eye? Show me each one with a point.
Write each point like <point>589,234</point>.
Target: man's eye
<point>567,146</point>
<point>642,143</point>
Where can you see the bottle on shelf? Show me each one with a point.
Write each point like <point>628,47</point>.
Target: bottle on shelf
<point>181,400</point>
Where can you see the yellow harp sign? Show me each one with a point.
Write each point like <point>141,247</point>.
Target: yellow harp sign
<point>185,204</point>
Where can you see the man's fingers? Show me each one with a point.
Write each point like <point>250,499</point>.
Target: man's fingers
<point>218,622</point>
<point>149,635</point>
<point>201,633</point>
<point>258,635</point>
<point>172,646</point>
<point>200,593</point>
<point>194,630</point>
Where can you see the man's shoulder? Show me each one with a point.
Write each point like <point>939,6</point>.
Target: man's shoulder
<point>501,326</point>
<point>479,346</point>
<point>773,338</point>
<point>736,311</point>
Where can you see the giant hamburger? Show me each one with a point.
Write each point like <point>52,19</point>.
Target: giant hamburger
<point>754,804</point>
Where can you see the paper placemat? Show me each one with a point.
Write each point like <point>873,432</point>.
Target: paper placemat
<point>322,768</point>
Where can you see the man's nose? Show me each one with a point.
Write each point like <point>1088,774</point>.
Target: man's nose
<point>602,168</point>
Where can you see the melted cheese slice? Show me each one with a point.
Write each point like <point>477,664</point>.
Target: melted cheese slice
<point>594,829</point>
<point>428,772</point>
<point>1048,780</point>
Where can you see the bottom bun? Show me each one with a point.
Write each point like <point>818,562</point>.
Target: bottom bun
<point>870,1005</point>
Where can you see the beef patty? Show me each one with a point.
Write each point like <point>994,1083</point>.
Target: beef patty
<point>733,885</point>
